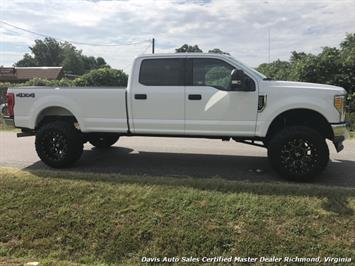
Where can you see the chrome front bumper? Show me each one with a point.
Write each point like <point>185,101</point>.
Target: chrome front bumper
<point>341,133</point>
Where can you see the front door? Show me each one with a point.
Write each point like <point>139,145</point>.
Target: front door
<point>211,108</point>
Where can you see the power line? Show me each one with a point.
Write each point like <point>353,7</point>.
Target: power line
<point>146,48</point>
<point>74,42</point>
<point>130,64</point>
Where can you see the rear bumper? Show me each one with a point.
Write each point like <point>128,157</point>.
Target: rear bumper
<point>341,133</point>
<point>9,121</point>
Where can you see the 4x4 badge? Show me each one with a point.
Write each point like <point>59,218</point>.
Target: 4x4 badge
<point>21,94</point>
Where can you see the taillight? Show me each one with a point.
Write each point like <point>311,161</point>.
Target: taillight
<point>10,104</point>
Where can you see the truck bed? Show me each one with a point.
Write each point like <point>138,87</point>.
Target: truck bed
<point>100,109</point>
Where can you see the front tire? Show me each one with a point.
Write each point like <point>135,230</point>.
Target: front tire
<point>59,144</point>
<point>103,141</point>
<point>298,153</point>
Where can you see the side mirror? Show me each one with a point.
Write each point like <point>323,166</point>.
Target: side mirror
<point>237,80</point>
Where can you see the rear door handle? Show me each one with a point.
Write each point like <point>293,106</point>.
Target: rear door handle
<point>140,96</point>
<point>195,97</point>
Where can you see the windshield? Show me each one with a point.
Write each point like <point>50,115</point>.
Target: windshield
<point>257,73</point>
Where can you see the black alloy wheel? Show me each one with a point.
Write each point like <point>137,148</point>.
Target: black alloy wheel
<point>298,153</point>
<point>59,144</point>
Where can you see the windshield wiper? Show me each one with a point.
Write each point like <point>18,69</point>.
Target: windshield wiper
<point>267,78</point>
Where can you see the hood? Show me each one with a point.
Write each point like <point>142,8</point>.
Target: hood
<point>271,84</point>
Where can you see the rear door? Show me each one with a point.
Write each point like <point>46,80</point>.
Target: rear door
<point>211,108</point>
<point>157,97</point>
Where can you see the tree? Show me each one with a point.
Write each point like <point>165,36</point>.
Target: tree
<point>27,61</point>
<point>218,51</point>
<point>279,70</point>
<point>332,65</point>
<point>100,62</point>
<point>321,68</point>
<point>347,60</point>
<point>295,56</point>
<point>73,62</point>
<point>188,49</point>
<point>50,52</point>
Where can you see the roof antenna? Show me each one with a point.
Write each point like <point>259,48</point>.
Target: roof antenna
<point>153,46</point>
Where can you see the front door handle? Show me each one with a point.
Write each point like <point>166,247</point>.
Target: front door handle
<point>140,96</point>
<point>195,97</point>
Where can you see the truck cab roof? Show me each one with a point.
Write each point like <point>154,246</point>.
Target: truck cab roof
<point>174,55</point>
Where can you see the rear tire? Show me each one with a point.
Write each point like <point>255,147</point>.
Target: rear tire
<point>59,144</point>
<point>103,141</point>
<point>298,153</point>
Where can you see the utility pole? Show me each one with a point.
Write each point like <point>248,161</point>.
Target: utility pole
<point>268,37</point>
<point>153,46</point>
<point>269,45</point>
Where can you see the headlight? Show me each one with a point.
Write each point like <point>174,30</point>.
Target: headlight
<point>339,103</point>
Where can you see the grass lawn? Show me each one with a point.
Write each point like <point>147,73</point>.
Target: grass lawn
<point>68,218</point>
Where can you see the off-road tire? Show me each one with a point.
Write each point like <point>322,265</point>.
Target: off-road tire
<point>59,144</point>
<point>103,141</point>
<point>298,153</point>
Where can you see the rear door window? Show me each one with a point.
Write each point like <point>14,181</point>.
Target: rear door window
<point>162,72</point>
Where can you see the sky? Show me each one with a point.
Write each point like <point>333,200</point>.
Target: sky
<point>240,27</point>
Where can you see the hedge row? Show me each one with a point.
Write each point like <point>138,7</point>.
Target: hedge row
<point>97,77</point>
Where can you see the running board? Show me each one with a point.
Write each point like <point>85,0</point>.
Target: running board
<point>25,134</point>
<point>251,142</point>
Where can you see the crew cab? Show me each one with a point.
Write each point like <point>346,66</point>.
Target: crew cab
<point>188,95</point>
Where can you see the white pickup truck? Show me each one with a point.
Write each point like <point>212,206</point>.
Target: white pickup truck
<point>188,95</point>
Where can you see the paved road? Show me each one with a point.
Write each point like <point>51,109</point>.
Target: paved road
<point>198,158</point>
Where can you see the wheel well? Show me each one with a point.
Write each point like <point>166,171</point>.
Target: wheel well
<point>301,117</point>
<point>54,113</point>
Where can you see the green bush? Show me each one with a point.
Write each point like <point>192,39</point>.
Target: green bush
<point>350,116</point>
<point>44,82</point>
<point>351,119</point>
<point>96,77</point>
<point>103,77</point>
<point>351,102</point>
<point>5,85</point>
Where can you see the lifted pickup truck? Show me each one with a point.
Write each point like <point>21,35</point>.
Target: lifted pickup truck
<point>188,95</point>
